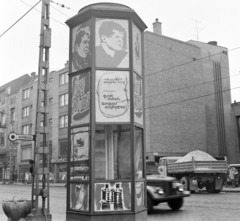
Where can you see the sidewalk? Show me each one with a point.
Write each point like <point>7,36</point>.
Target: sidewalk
<point>51,184</point>
<point>230,189</point>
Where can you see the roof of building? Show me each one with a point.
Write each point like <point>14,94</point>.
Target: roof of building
<point>16,84</point>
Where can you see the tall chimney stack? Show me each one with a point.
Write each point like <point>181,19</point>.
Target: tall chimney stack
<point>157,27</point>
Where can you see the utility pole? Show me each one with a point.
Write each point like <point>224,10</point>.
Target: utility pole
<point>40,171</point>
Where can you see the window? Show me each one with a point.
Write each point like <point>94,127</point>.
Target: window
<point>63,121</point>
<point>41,124</point>
<point>26,93</point>
<point>26,153</point>
<point>2,139</point>
<point>3,120</point>
<point>50,120</point>
<point>25,111</point>
<point>42,103</point>
<point>63,79</point>
<point>50,79</point>
<point>13,114</point>
<point>63,147</point>
<point>63,100</point>
<point>25,129</point>
<point>50,99</point>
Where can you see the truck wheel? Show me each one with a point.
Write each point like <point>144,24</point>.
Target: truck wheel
<point>211,188</point>
<point>175,204</point>
<point>184,182</point>
<point>149,204</point>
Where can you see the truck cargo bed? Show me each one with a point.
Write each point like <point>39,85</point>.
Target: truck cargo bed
<point>219,166</point>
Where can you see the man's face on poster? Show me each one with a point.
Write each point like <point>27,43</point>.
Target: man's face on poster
<point>83,48</point>
<point>115,41</point>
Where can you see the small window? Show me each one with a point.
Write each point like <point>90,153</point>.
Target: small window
<point>63,78</point>
<point>13,114</point>
<point>26,93</point>
<point>25,129</point>
<point>63,121</point>
<point>50,99</point>
<point>50,79</point>
<point>50,120</point>
<point>25,111</point>
<point>63,100</point>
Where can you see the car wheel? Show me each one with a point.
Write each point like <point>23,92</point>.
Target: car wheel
<point>149,204</point>
<point>184,182</point>
<point>211,188</point>
<point>175,204</point>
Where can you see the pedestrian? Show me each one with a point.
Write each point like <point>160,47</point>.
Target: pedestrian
<point>233,173</point>
<point>15,176</point>
<point>22,178</point>
<point>26,178</point>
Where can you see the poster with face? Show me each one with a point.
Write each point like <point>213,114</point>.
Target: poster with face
<point>79,196</point>
<point>80,110</point>
<point>112,46</point>
<point>138,100</point>
<point>112,196</point>
<point>139,195</point>
<point>112,96</point>
<point>81,52</point>
<point>137,50</point>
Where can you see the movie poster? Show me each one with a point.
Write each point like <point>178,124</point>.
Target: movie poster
<point>79,154</point>
<point>112,46</point>
<point>137,50</point>
<point>138,100</point>
<point>81,51</point>
<point>79,196</point>
<point>80,110</point>
<point>112,196</point>
<point>112,96</point>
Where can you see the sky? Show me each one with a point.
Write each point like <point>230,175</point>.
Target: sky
<point>202,20</point>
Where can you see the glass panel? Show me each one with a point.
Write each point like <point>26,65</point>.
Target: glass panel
<point>80,108</point>
<point>137,51</point>
<point>112,196</point>
<point>140,193</point>
<point>112,46</point>
<point>112,152</point>
<point>79,154</point>
<point>138,153</point>
<point>79,196</point>
<point>138,100</point>
<point>112,96</point>
<point>81,51</point>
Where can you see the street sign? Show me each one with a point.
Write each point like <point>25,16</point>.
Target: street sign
<point>13,137</point>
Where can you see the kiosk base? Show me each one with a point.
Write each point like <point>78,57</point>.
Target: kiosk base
<point>140,216</point>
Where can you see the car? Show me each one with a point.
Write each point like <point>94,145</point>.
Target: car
<point>163,189</point>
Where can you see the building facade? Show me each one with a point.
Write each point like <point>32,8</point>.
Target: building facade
<point>188,99</point>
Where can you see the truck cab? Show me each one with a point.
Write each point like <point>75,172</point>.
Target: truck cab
<point>163,162</point>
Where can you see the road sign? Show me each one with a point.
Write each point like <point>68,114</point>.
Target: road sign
<point>13,137</point>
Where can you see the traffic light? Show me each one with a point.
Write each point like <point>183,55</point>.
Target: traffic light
<point>31,166</point>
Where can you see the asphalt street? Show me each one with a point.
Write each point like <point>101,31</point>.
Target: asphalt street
<point>200,206</point>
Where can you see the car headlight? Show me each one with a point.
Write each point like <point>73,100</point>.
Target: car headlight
<point>180,188</point>
<point>160,191</point>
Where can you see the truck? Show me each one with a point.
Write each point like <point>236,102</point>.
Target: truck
<point>163,189</point>
<point>195,174</point>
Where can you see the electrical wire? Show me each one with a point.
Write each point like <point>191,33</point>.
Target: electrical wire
<point>205,95</point>
<point>20,18</point>
<point>193,60</point>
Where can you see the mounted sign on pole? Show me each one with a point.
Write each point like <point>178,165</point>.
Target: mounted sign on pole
<point>13,137</point>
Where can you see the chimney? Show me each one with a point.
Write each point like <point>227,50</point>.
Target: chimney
<point>33,74</point>
<point>157,27</point>
<point>213,43</point>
